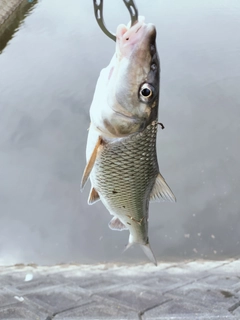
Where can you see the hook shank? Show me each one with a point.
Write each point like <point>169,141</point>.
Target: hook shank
<point>98,11</point>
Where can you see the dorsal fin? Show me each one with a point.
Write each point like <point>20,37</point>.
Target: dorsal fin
<point>93,196</point>
<point>90,163</point>
<point>161,191</point>
<point>116,224</point>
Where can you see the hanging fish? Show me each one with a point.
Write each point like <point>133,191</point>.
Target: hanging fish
<point>121,148</point>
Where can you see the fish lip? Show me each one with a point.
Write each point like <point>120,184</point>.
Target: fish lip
<point>139,29</point>
<point>140,35</point>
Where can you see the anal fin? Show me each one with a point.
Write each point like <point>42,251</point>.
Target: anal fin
<point>90,163</point>
<point>93,196</point>
<point>161,191</point>
<point>116,224</point>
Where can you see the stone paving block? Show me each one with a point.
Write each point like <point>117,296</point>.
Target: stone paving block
<point>98,310</point>
<point>164,282</point>
<point>17,283</point>
<point>21,311</point>
<point>213,298</point>
<point>136,297</point>
<point>7,297</point>
<point>95,283</point>
<point>236,312</point>
<point>58,299</point>
<point>232,267</point>
<point>176,307</point>
<point>223,281</point>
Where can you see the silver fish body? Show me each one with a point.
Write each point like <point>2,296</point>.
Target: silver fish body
<point>124,174</point>
<point>121,149</point>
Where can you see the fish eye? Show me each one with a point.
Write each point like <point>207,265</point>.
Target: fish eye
<point>146,92</point>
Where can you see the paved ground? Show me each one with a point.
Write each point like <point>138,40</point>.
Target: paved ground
<point>187,290</point>
<point>7,7</point>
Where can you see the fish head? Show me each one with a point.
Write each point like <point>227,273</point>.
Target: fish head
<point>129,97</point>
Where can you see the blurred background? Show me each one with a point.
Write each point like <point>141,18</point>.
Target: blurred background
<point>51,53</point>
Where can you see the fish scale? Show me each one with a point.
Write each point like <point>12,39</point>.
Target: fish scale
<point>122,171</point>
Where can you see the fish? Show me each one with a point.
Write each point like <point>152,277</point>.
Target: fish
<point>121,151</point>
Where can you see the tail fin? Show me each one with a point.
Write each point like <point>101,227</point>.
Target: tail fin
<point>148,252</point>
<point>146,249</point>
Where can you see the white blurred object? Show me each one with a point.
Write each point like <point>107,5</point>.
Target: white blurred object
<point>21,299</point>
<point>28,277</point>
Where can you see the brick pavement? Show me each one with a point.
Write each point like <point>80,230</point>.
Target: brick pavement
<point>187,290</point>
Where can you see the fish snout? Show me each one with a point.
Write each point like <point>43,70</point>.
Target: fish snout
<point>139,34</point>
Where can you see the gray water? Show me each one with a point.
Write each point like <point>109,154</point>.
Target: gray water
<point>49,65</point>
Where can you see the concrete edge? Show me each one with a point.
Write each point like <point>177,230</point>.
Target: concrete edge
<point>187,266</point>
<point>7,7</point>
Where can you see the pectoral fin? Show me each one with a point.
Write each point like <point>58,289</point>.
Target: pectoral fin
<point>116,224</point>
<point>161,191</point>
<point>90,163</point>
<point>93,196</point>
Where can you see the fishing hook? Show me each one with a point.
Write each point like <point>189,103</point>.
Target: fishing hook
<point>98,10</point>
<point>160,123</point>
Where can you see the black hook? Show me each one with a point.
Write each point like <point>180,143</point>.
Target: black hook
<point>98,10</point>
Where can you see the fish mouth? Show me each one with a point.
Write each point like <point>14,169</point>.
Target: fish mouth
<point>140,34</point>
